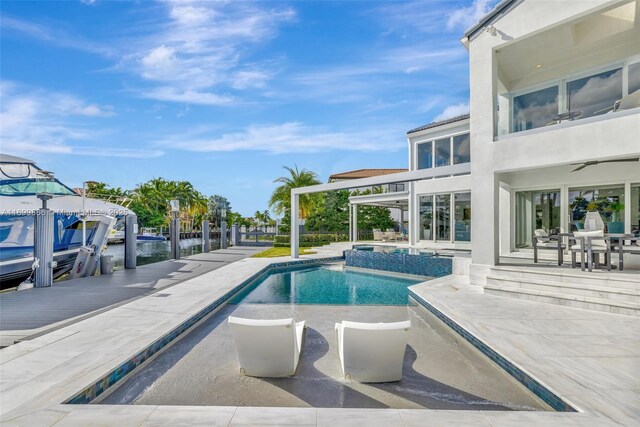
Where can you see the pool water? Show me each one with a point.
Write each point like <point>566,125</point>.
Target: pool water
<point>327,285</point>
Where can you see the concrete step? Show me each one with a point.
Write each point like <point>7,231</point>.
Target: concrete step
<point>567,288</point>
<point>575,301</point>
<point>614,279</point>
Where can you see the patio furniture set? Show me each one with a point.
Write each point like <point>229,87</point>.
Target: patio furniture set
<point>387,236</point>
<point>589,244</point>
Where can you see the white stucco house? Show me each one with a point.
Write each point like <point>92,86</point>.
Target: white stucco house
<point>554,124</point>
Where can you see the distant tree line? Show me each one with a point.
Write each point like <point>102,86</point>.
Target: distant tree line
<point>324,212</point>
<point>150,202</point>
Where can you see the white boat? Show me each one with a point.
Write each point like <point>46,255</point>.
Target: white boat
<point>20,182</point>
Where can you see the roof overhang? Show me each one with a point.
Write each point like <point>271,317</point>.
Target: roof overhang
<point>416,175</point>
<point>494,14</point>
<point>387,200</point>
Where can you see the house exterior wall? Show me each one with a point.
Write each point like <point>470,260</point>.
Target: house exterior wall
<point>441,185</point>
<point>566,143</point>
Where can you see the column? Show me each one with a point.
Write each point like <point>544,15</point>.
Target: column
<point>355,223</point>
<point>295,227</point>
<point>350,222</point>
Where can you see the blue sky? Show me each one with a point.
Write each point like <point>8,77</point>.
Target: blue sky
<point>223,94</point>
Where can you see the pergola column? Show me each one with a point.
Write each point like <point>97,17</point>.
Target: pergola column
<point>295,227</point>
<point>354,219</point>
<point>351,228</point>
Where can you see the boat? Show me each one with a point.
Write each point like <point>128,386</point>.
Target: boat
<point>21,180</point>
<point>149,234</point>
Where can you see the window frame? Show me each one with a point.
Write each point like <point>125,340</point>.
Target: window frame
<point>449,136</point>
<point>561,83</point>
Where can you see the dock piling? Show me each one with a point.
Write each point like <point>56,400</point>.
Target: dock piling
<point>206,242</point>
<point>130,241</point>
<point>43,247</point>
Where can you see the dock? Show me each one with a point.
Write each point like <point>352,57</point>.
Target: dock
<point>31,313</point>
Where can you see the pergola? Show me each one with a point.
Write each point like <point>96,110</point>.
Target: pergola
<point>403,177</point>
<point>392,200</point>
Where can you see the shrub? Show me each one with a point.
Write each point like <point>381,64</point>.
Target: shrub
<point>307,240</point>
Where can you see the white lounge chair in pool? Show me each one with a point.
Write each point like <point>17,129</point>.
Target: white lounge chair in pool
<point>267,348</point>
<point>372,352</point>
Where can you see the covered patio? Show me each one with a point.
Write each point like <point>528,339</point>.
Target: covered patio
<point>392,198</point>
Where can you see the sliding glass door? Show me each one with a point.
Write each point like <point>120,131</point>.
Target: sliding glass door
<point>608,201</point>
<point>536,210</point>
<point>426,217</point>
<point>443,217</point>
<point>462,208</point>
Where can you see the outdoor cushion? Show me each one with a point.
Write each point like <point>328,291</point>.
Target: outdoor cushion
<point>596,244</point>
<point>542,235</point>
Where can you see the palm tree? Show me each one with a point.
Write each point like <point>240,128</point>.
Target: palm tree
<point>153,197</point>
<point>280,200</point>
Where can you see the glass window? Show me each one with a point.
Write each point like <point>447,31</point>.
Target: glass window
<point>396,187</point>
<point>607,201</point>
<point>461,149</point>
<point>462,205</point>
<point>443,152</point>
<point>536,210</point>
<point>425,155</point>
<point>443,217</point>
<point>27,187</point>
<point>634,77</point>
<point>426,217</point>
<point>594,95</point>
<point>535,109</point>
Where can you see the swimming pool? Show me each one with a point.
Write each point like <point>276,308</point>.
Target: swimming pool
<point>328,284</point>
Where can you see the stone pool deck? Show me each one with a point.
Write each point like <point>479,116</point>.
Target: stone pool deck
<point>591,359</point>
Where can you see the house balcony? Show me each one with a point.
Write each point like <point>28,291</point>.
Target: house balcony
<point>583,71</point>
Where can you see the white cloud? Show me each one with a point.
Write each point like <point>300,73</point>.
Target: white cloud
<point>39,121</point>
<point>453,111</point>
<point>88,2</point>
<point>291,137</point>
<point>201,48</point>
<point>188,96</point>
<point>465,17</point>
<point>55,36</point>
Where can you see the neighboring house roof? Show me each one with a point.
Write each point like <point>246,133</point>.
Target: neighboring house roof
<point>440,123</point>
<point>364,173</point>
<point>494,14</point>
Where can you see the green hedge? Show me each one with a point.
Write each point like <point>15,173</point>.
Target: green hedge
<point>307,240</point>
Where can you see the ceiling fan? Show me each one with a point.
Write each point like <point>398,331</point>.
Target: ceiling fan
<point>595,162</point>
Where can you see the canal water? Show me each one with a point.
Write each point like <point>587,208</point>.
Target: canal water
<point>149,252</point>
